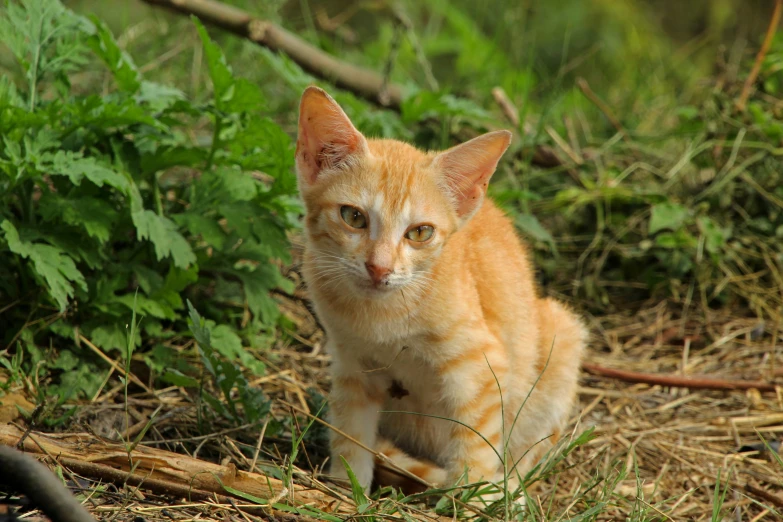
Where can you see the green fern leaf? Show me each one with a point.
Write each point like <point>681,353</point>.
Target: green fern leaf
<point>165,237</point>
<point>52,264</point>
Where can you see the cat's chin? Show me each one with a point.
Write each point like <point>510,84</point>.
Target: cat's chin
<point>369,290</point>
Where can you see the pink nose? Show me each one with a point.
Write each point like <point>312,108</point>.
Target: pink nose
<point>377,273</point>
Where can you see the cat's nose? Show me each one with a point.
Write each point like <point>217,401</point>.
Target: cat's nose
<point>377,273</point>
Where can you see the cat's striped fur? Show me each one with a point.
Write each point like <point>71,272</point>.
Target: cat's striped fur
<point>442,327</point>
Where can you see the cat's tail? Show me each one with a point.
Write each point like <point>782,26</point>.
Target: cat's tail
<point>386,475</point>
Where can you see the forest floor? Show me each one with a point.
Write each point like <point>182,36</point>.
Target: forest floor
<point>657,452</point>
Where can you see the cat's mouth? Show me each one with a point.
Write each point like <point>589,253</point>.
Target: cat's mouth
<point>375,289</point>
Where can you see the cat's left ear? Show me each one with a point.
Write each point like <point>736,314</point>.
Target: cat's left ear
<point>327,138</point>
<point>467,168</point>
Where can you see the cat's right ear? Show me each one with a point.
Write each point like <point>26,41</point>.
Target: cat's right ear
<point>327,138</point>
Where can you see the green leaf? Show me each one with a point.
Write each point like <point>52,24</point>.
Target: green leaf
<point>111,336</point>
<point>158,97</point>
<point>66,361</point>
<point>714,236</point>
<point>530,225</point>
<point>231,95</point>
<point>45,38</point>
<point>52,264</point>
<point>177,378</point>
<point>206,227</point>
<point>94,215</point>
<point>238,185</point>
<point>84,380</point>
<point>667,216</point>
<point>76,167</point>
<point>95,112</point>
<point>229,345</point>
<point>257,286</point>
<point>356,489</point>
<point>675,240</point>
<point>146,306</point>
<point>219,71</point>
<point>119,62</point>
<point>165,237</point>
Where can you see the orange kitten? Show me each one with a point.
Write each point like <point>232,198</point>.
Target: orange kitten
<point>427,297</point>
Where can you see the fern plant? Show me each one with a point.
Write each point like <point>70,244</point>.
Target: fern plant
<point>108,200</point>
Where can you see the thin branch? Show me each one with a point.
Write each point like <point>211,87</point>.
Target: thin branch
<point>694,383</point>
<point>754,72</point>
<point>764,494</point>
<point>365,83</point>
<point>506,105</point>
<point>602,106</point>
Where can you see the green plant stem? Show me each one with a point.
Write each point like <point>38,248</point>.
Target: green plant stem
<point>215,141</point>
<point>27,202</point>
<point>157,195</point>
<point>34,68</point>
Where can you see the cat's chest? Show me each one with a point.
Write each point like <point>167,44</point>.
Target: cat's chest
<point>402,376</point>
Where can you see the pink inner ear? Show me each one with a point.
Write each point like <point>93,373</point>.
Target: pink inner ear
<point>327,138</point>
<point>468,167</point>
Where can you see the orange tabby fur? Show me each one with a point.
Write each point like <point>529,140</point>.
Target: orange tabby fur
<point>439,327</point>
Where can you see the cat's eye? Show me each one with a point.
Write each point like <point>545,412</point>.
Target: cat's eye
<point>353,216</point>
<point>420,233</point>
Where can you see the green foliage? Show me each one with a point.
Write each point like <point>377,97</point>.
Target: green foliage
<point>108,205</point>
<point>218,355</point>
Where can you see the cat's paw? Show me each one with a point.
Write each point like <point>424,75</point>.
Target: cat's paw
<point>362,470</point>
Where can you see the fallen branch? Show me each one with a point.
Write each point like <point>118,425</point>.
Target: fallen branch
<point>695,383</point>
<point>764,494</point>
<point>164,472</point>
<point>365,83</point>
<point>754,72</point>
<point>362,82</point>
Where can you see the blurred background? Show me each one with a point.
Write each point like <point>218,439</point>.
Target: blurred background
<point>621,90</point>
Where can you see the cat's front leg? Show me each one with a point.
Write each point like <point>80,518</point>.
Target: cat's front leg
<point>470,385</point>
<point>354,407</point>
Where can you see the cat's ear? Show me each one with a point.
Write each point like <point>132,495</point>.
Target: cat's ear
<point>466,168</point>
<point>327,138</point>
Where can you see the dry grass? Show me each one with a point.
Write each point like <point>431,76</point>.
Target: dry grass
<point>675,443</point>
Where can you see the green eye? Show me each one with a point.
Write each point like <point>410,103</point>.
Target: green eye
<point>420,233</point>
<point>353,216</point>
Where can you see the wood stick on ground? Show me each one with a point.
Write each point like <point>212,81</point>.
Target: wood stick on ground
<point>754,72</point>
<point>365,83</point>
<point>764,494</point>
<point>694,383</point>
<point>162,471</point>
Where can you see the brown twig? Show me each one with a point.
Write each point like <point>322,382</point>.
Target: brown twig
<point>754,72</point>
<point>506,105</point>
<point>363,82</point>
<point>116,366</point>
<point>694,383</point>
<point>543,156</point>
<point>764,494</point>
<point>602,106</point>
